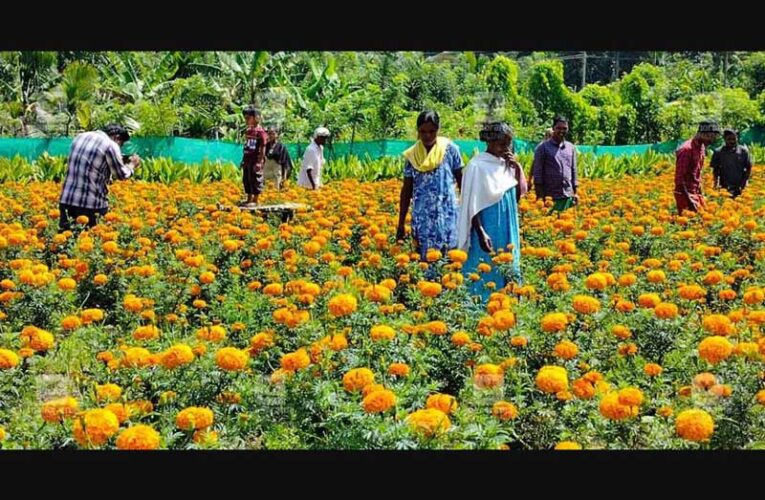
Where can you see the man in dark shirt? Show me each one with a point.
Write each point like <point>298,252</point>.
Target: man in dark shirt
<point>554,168</point>
<point>278,165</point>
<point>731,164</point>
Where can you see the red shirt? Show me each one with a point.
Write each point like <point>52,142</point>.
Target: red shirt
<point>689,160</point>
<point>255,139</point>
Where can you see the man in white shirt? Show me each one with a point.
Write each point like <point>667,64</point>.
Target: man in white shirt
<point>313,161</point>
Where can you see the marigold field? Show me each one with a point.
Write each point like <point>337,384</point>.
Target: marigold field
<point>174,325</point>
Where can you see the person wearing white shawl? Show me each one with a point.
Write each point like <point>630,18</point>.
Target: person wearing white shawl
<point>492,185</point>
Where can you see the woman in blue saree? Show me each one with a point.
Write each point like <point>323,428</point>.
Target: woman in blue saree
<point>433,166</point>
<point>492,185</point>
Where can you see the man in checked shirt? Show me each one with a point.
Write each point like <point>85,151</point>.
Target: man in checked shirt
<point>93,159</point>
<point>554,168</point>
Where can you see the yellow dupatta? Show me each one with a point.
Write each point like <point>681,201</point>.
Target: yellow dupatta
<point>422,159</point>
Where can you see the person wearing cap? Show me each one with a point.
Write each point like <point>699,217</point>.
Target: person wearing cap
<point>492,185</point>
<point>731,164</point>
<point>278,165</point>
<point>554,168</point>
<point>313,160</point>
<point>253,156</point>
<point>689,159</point>
<point>433,166</point>
<point>94,158</point>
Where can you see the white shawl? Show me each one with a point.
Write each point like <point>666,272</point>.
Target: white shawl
<point>485,181</point>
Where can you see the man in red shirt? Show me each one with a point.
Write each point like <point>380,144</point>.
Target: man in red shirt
<point>254,156</point>
<point>689,160</point>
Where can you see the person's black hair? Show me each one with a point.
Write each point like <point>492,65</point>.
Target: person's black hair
<point>118,130</point>
<point>428,117</point>
<point>251,111</point>
<point>559,119</point>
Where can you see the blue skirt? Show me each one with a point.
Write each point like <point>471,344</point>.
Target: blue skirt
<point>501,223</point>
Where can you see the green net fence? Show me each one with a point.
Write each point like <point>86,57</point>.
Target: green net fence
<point>199,150</point>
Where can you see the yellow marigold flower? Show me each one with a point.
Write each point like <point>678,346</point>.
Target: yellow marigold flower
<point>194,418</point>
<point>382,332</point>
<point>666,310</point>
<point>627,280</point>
<point>135,357</point>
<point>692,292</point>
<point>70,323</point>
<point>631,396</point>
<point>457,256</point>
<point>177,355</point>
<point>718,324</point>
<point>138,437</point>
<point>67,284</point>
<point>399,369</point>
<point>146,332</point>
<point>294,361</point>
<point>260,341</point>
<point>89,316</point>
<point>460,338</point>
<point>727,294</point>
<point>652,369</point>
<point>487,376</point>
<point>754,296</point>
<point>583,389</point>
<point>206,277</point>
<point>232,359</point>
<point>585,304</point>
<point>503,320</point>
<point>721,390</point>
<point>715,349</point>
<point>436,327</point>
<point>558,282</point>
<point>37,339</point>
<point>656,276</point>
<point>665,411</point>
<point>554,322</point>
<point>552,379</point>
<point>760,397</point>
<point>628,349</point>
<point>565,350</point>
<point>621,332</point>
<point>59,409</point>
<point>713,278</point>
<point>215,333</point>
<point>429,288</point>
<point>378,293</point>
<point>379,401</point>
<point>443,402</point>
<point>694,425</point>
<point>568,445</point>
<point>357,378</point>
<point>596,281</point>
<point>95,427</point>
<point>611,407</point>
<point>433,255</point>
<point>649,300</point>
<point>519,341</point>
<point>429,422</point>
<point>342,305</point>
<point>108,392</point>
<point>504,410</point>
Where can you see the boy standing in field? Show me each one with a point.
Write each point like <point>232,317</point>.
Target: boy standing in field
<point>253,157</point>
